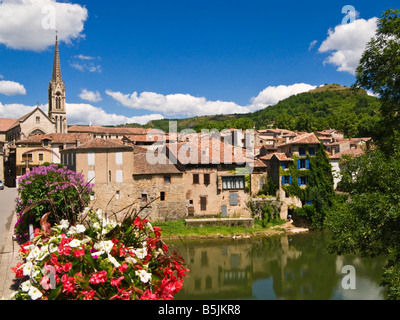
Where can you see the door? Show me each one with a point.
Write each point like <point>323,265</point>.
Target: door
<point>224,211</point>
<point>203,203</point>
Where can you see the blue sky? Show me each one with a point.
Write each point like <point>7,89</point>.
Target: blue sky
<point>125,61</point>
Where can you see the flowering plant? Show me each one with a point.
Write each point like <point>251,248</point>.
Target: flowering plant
<point>52,188</point>
<point>98,259</point>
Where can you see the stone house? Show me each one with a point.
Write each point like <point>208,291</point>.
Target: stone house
<point>108,164</point>
<point>215,178</point>
<point>292,152</point>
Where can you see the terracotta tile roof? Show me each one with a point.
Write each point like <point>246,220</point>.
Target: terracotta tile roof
<point>6,124</point>
<point>279,156</point>
<point>351,152</point>
<point>108,130</point>
<point>307,138</point>
<point>141,165</point>
<point>216,152</point>
<point>58,138</point>
<point>103,144</point>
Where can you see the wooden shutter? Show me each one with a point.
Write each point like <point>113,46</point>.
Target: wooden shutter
<point>233,199</point>
<point>308,163</point>
<point>203,203</point>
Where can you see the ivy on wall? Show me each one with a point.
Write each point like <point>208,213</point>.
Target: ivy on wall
<point>318,195</point>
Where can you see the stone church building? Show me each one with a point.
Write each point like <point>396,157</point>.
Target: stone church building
<point>33,124</point>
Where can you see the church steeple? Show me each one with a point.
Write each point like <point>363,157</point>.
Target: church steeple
<point>57,111</point>
<point>56,64</point>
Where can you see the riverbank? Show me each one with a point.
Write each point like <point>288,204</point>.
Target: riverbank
<point>173,230</point>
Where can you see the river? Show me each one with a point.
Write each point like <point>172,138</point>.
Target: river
<point>289,267</point>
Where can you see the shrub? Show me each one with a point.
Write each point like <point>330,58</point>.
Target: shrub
<point>54,189</point>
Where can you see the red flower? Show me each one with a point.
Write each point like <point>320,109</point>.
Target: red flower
<point>138,223</point>
<point>117,282</point>
<point>69,284</point>
<point>148,295</point>
<point>18,271</point>
<point>99,277</point>
<point>88,295</point>
<point>66,267</point>
<point>79,253</point>
<point>123,268</point>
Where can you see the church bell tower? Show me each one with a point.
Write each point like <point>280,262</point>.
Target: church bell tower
<point>57,111</point>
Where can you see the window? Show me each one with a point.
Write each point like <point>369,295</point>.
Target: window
<point>285,165</point>
<point>91,159</point>
<point>117,195</point>
<point>167,179</point>
<point>37,119</point>
<point>118,176</point>
<point>233,183</point>
<point>302,152</point>
<point>27,157</point>
<point>286,180</point>
<point>195,178</point>
<point>109,175</point>
<point>206,178</point>
<point>312,151</point>
<point>91,176</point>
<point>41,157</point>
<point>144,197</point>
<point>203,203</point>
<point>302,181</point>
<point>118,158</point>
<point>162,196</point>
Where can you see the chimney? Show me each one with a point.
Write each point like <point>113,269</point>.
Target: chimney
<point>78,143</point>
<point>287,139</point>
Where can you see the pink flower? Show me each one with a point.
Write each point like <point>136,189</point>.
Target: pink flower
<point>99,277</point>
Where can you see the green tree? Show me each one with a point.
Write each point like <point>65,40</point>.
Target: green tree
<point>369,221</point>
<point>379,72</point>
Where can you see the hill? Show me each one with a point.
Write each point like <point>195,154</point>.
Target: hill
<point>350,110</point>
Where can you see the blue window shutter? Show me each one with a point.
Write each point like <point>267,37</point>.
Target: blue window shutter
<point>298,163</point>
<point>290,180</point>
<point>283,165</point>
<point>283,180</point>
<point>299,181</point>
<point>308,163</point>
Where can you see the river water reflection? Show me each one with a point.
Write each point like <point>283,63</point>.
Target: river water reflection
<point>286,267</point>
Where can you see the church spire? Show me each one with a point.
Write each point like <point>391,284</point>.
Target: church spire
<point>57,111</point>
<point>56,64</point>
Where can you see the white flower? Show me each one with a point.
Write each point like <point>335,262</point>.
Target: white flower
<point>143,275</point>
<point>98,253</point>
<point>64,224</point>
<point>33,254</point>
<point>96,225</point>
<point>130,260</point>
<point>35,293</point>
<point>141,253</point>
<point>77,229</point>
<point>114,261</point>
<point>104,245</point>
<point>27,268</point>
<point>25,287</point>
<point>75,243</point>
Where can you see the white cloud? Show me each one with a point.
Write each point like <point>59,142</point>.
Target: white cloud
<point>176,104</point>
<point>15,111</point>
<point>78,114</point>
<point>272,95</point>
<point>312,45</point>
<point>90,95</point>
<point>1,76</point>
<point>84,114</point>
<point>187,105</point>
<point>85,63</point>
<point>31,24</point>
<point>11,88</point>
<point>347,42</point>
